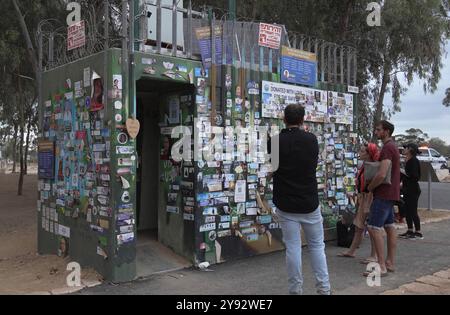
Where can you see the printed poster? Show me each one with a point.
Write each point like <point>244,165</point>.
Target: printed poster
<point>277,96</point>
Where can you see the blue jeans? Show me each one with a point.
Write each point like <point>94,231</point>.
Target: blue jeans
<point>381,214</point>
<point>312,223</point>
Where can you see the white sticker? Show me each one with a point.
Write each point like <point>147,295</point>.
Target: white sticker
<point>63,231</point>
<point>87,77</point>
<point>118,105</point>
<point>125,150</point>
<point>208,227</point>
<point>117,82</point>
<point>240,192</point>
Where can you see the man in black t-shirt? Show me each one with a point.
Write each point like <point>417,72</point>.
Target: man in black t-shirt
<point>297,201</point>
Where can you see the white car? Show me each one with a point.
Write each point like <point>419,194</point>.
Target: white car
<point>438,161</point>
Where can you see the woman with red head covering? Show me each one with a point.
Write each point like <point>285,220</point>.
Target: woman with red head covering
<point>368,153</point>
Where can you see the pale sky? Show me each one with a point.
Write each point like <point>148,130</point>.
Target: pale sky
<point>425,111</point>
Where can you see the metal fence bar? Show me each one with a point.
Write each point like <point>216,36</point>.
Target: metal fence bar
<point>348,67</point>
<point>174,28</point>
<point>261,58</point>
<point>213,40</point>
<point>51,40</point>
<point>335,70</point>
<point>329,65</point>
<point>158,26</point>
<point>39,77</point>
<point>105,48</point>
<point>189,26</point>
<point>355,68</point>
<point>224,43</point>
<point>322,62</point>
<point>341,62</point>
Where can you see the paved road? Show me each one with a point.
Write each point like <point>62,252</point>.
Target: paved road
<point>266,275</point>
<point>440,196</point>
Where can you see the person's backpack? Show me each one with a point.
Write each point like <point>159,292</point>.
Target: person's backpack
<point>345,234</point>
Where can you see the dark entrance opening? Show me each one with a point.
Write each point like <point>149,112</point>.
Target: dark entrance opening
<point>152,256</point>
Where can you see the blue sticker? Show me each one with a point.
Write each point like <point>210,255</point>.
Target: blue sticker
<point>88,102</point>
<point>105,133</point>
<point>199,72</point>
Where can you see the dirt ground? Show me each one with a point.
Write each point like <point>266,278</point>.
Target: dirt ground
<point>21,269</point>
<point>431,216</point>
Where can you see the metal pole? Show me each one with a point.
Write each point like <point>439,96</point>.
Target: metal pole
<point>322,62</point>
<point>348,67</point>
<point>132,81</point>
<point>106,30</point>
<point>213,70</point>
<point>174,28</point>
<point>341,62</point>
<point>39,78</point>
<point>232,10</point>
<point>125,59</point>
<point>106,48</point>
<point>430,197</point>
<point>189,26</point>
<point>51,49</point>
<point>158,26</point>
<point>335,64</point>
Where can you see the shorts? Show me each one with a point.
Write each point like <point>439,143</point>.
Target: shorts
<point>381,214</point>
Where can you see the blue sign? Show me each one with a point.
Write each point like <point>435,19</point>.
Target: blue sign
<point>46,160</point>
<point>203,35</point>
<point>298,67</point>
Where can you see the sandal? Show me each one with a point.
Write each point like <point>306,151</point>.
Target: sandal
<point>367,261</point>
<point>368,274</point>
<point>390,269</point>
<point>344,255</point>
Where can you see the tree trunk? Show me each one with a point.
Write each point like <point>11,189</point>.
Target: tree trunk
<point>22,131</point>
<point>16,130</point>
<point>22,170</point>
<point>345,18</point>
<point>27,143</point>
<point>255,9</point>
<point>380,103</point>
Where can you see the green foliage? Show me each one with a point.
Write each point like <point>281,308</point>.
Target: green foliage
<point>440,145</point>
<point>413,135</point>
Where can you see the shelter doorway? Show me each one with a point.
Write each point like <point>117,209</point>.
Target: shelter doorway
<point>152,256</point>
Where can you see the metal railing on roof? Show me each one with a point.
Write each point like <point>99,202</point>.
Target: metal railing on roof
<point>336,63</point>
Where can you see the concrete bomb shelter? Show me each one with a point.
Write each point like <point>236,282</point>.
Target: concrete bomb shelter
<point>111,194</point>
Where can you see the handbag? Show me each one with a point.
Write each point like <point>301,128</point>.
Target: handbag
<point>345,234</point>
<point>371,170</point>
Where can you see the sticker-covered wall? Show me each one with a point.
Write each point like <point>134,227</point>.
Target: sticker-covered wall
<point>235,191</point>
<point>74,208</point>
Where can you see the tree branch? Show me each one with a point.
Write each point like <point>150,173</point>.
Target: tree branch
<point>30,49</point>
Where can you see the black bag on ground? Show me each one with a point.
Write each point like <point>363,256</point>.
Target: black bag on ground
<point>345,234</point>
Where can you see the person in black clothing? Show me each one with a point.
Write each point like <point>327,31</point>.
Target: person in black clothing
<point>295,195</point>
<point>411,189</point>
